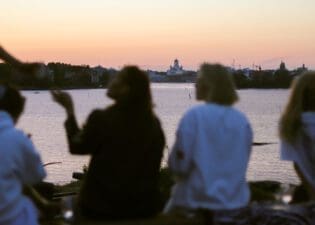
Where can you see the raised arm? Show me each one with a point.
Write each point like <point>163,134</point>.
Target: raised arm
<point>7,57</point>
<point>81,141</point>
<point>29,68</point>
<point>65,101</point>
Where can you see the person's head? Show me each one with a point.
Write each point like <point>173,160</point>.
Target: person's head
<point>11,101</point>
<point>131,87</point>
<point>215,84</point>
<point>302,99</point>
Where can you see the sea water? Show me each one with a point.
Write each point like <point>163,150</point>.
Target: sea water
<point>44,119</point>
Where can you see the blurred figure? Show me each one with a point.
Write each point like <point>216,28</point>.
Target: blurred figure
<point>297,131</point>
<point>210,156</point>
<point>28,68</point>
<point>20,164</point>
<point>126,143</point>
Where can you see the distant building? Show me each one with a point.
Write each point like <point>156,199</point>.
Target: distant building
<point>155,77</point>
<point>96,74</point>
<point>45,73</point>
<point>282,66</point>
<point>69,75</point>
<point>247,72</point>
<point>298,71</point>
<point>175,70</point>
<point>302,69</point>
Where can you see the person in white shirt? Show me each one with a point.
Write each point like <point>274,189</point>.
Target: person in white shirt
<point>212,149</point>
<point>20,164</point>
<point>297,131</point>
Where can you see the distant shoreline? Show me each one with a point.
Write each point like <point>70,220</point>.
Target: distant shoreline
<point>90,87</point>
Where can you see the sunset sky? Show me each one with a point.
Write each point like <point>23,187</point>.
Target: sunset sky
<point>152,33</point>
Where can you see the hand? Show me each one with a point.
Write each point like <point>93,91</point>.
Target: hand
<point>64,99</point>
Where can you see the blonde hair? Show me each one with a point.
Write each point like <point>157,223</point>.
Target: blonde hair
<point>219,83</point>
<point>302,99</point>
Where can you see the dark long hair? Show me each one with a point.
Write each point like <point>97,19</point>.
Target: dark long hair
<point>134,104</point>
<point>11,101</point>
<point>139,96</point>
<point>302,99</point>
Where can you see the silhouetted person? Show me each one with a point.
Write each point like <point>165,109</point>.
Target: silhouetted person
<point>126,143</point>
<point>297,131</point>
<point>20,164</point>
<point>212,149</point>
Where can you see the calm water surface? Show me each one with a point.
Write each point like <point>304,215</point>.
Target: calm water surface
<point>44,120</point>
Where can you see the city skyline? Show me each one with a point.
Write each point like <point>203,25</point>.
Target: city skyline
<point>152,34</point>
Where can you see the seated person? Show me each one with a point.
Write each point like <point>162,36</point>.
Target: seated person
<point>212,149</point>
<point>126,143</point>
<point>20,164</point>
<point>297,131</point>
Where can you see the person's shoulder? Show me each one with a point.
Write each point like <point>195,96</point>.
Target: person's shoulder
<point>191,115</point>
<point>191,112</point>
<point>100,113</point>
<point>156,120</point>
<point>108,114</point>
<point>16,134</point>
<point>22,140</point>
<point>240,116</point>
<point>204,109</point>
<point>97,112</point>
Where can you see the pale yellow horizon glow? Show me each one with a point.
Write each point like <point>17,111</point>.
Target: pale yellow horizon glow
<point>151,33</point>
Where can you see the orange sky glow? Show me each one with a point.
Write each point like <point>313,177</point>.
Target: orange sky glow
<point>152,33</point>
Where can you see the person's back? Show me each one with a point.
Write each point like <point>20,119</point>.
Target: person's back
<point>124,171</point>
<point>20,164</point>
<point>126,143</point>
<point>212,149</point>
<point>219,139</point>
<point>297,131</point>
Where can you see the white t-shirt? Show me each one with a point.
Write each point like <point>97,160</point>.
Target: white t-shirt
<point>215,144</point>
<point>303,151</point>
<point>20,165</point>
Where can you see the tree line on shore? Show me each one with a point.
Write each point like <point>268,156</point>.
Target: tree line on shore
<point>280,78</point>
<point>61,75</point>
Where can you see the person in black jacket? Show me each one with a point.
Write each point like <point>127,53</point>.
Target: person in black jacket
<point>126,143</point>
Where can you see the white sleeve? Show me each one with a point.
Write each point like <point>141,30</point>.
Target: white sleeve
<point>181,158</point>
<point>287,152</point>
<point>33,171</point>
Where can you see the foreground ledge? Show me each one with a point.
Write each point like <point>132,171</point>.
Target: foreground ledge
<point>159,220</point>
